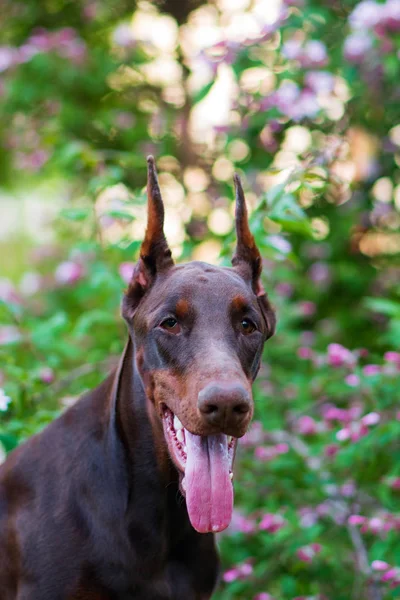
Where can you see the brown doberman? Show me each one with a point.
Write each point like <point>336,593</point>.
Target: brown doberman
<point>119,497</point>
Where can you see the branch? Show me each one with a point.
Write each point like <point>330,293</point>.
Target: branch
<point>373,587</point>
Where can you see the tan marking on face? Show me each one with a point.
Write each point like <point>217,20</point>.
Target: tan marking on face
<point>239,302</point>
<point>182,308</point>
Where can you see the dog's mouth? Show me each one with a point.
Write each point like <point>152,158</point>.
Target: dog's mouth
<point>206,467</point>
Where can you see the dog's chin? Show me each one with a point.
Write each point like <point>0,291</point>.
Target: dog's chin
<point>205,466</point>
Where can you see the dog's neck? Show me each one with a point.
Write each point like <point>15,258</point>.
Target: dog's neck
<point>134,422</point>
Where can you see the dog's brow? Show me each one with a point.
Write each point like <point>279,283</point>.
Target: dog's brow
<point>182,308</point>
<point>239,303</point>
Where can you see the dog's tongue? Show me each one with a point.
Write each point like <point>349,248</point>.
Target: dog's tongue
<point>209,491</point>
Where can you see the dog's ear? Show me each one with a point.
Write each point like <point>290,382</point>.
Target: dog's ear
<point>155,255</point>
<point>247,259</point>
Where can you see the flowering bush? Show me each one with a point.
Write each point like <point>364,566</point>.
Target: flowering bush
<point>302,99</point>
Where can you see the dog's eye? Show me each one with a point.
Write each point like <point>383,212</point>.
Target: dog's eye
<point>171,325</point>
<point>247,326</point>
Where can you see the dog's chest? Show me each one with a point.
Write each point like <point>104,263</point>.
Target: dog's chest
<point>159,567</point>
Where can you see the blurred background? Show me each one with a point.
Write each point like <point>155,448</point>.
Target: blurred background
<point>301,98</point>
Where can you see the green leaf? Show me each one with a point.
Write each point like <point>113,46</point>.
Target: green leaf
<point>75,214</point>
<point>120,214</point>
<point>384,306</point>
<point>199,96</point>
<point>92,318</point>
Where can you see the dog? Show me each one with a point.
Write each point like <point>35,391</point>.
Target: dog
<point>120,497</point>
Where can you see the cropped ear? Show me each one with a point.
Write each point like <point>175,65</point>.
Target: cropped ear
<point>247,259</point>
<point>155,255</point>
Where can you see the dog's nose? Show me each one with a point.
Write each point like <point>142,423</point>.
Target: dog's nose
<point>225,405</point>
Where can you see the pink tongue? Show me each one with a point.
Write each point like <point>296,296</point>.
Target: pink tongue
<point>209,491</point>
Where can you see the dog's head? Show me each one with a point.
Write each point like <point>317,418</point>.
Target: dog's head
<point>199,332</point>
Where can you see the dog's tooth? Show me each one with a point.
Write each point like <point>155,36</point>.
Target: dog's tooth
<point>177,424</point>
<point>231,476</point>
<point>180,435</point>
<point>185,449</point>
<point>183,483</point>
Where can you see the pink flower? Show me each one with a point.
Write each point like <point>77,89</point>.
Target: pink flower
<point>307,338</point>
<point>123,36</point>
<point>305,353</point>
<point>370,370</point>
<point>320,81</point>
<point>254,436</point>
<point>356,46</point>
<point>331,450</point>
<point>307,308</point>
<point>357,431</point>
<point>393,357</point>
<point>9,334</point>
<point>41,40</point>
<point>245,569</point>
<point>395,483</point>
<point>284,289</point>
<point>320,272</point>
<point>371,418</point>
<point>291,49</point>
<point>308,516</point>
<point>375,525</point>
<point>314,54</point>
<point>348,489</point>
<point>391,15</point>
<point>366,15</point>
<point>390,574</point>
<point>285,96</point>
<point>231,575</point>
<point>282,448</point>
<point>272,523</point>
<point>7,56</point>
<point>306,106</point>
<point>356,520</point>
<point>343,434</point>
<point>8,293</point>
<point>354,411</point>
<point>280,243</point>
<point>74,51</point>
<point>380,565</point>
<point>46,374</point>
<point>239,572</point>
<point>306,425</point>
<point>333,413</point>
<point>263,596</point>
<point>30,283</point>
<point>125,269</point>
<point>68,272</point>
<point>307,553</point>
<point>32,161</point>
<point>265,453</point>
<point>352,380</point>
<point>339,356</point>
<point>242,523</point>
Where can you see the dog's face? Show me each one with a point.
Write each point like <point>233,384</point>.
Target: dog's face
<point>199,332</point>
